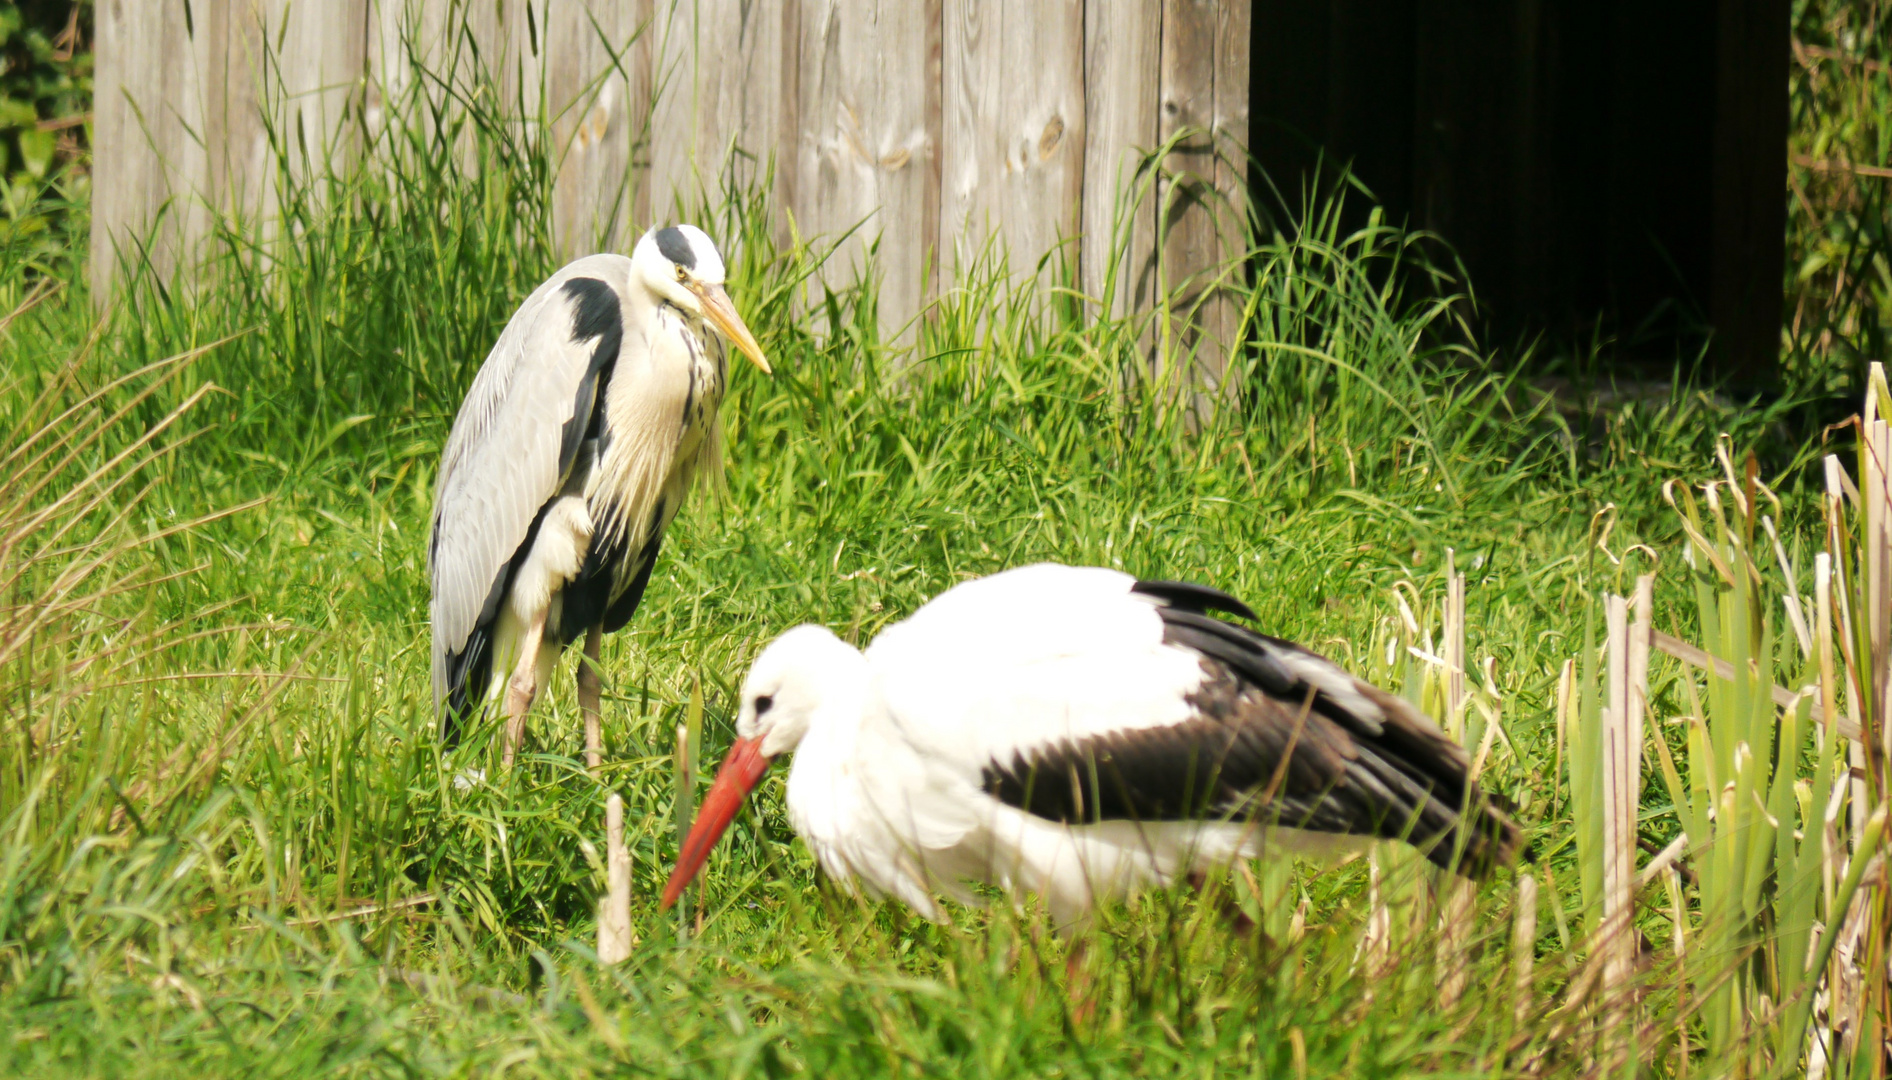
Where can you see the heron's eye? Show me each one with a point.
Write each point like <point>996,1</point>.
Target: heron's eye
<point>682,274</point>
<point>763,703</point>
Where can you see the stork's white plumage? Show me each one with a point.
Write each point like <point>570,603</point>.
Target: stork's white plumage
<point>576,446</point>
<point>1078,734</point>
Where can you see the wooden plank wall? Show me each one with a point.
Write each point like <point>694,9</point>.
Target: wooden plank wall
<point>937,123</point>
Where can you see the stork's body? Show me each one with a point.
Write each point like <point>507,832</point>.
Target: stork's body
<point>577,444</point>
<point>1075,733</point>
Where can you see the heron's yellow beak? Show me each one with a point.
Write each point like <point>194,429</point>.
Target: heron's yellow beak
<point>720,311</point>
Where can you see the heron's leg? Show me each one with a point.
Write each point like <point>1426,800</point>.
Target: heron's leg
<point>589,691</point>
<point>523,686</point>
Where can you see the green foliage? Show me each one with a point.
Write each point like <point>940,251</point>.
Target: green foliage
<point>45,119</point>
<point>233,845</point>
<point>1839,203</point>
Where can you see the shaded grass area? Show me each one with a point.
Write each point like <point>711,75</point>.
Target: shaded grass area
<point>183,839</point>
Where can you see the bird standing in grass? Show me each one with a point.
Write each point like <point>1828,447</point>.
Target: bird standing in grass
<point>574,449</point>
<point>1077,733</point>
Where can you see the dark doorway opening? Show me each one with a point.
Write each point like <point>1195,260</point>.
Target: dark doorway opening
<point>1601,167</point>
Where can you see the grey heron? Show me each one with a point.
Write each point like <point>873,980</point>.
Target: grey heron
<point>575,447</point>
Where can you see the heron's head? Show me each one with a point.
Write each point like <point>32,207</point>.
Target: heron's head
<point>800,674</point>
<point>679,265</point>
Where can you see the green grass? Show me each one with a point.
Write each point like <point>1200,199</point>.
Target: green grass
<point>177,854</point>
<point>1839,220</point>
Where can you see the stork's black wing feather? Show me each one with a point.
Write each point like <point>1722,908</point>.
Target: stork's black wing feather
<point>1188,596</point>
<point>1277,736</point>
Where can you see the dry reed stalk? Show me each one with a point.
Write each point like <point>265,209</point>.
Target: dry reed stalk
<point>1875,493</point>
<point>1875,489</point>
<point>1456,906</point>
<point>614,915</point>
<point>1622,790</point>
<point>1454,648</point>
<point>1566,713</point>
<point>1678,915</point>
<point>1524,947</point>
<point>1836,494</point>
<point>1375,951</point>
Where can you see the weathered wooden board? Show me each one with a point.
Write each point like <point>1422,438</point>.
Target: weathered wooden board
<point>867,142</point>
<point>1121,76</point>
<point>1204,90</point>
<point>182,112</point>
<point>1013,87</point>
<point>320,49</point>
<point>926,126</point>
<point>599,110</point>
<point>719,101</point>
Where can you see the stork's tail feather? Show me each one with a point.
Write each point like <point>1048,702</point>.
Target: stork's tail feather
<point>1457,823</point>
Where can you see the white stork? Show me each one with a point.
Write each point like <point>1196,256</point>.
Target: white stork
<point>1077,733</point>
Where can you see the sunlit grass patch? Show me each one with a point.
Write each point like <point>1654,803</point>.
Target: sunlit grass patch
<point>243,850</point>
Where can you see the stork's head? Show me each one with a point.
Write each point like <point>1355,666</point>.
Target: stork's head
<point>800,674</point>
<point>679,265</point>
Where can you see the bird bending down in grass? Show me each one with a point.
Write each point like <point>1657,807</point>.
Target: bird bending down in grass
<point>1077,733</point>
<point>574,449</point>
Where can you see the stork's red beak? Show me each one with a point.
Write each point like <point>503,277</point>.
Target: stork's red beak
<point>741,771</point>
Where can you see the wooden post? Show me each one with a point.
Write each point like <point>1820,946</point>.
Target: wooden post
<point>599,110</point>
<point>1204,86</point>
<point>614,914</point>
<point>1122,64</point>
<point>866,142</point>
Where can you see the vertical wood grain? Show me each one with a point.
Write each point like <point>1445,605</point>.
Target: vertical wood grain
<point>1205,89</point>
<point>598,124</point>
<point>718,115</point>
<point>298,66</point>
<point>954,119</point>
<point>1013,127</point>
<point>867,149</point>
<point>131,131</point>
<point>1122,44</point>
<point>181,105</point>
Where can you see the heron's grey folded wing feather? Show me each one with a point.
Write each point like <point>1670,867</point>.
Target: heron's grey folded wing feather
<point>511,444</point>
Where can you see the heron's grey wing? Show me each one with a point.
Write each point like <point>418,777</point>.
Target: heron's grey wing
<point>512,444</point>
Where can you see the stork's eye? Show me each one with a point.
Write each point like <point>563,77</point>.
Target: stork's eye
<point>763,703</point>
<point>682,274</point>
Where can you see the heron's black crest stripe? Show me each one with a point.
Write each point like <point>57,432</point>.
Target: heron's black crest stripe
<point>676,247</point>
<point>1264,744</point>
<point>1188,596</point>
